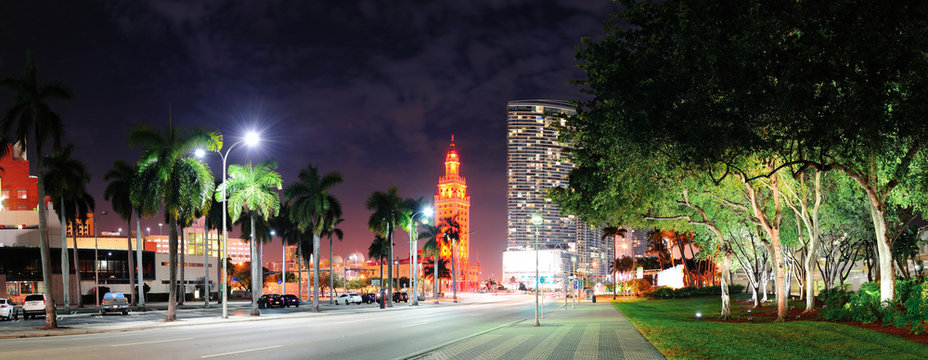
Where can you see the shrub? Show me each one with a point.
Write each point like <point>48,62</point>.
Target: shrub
<point>835,299</point>
<point>639,286</point>
<point>864,306</point>
<point>692,291</point>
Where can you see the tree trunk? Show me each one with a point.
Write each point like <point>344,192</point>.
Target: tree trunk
<point>77,271</point>
<point>255,289</point>
<point>51,319</point>
<point>138,257</point>
<point>810,260</point>
<point>315,273</point>
<point>65,272</point>
<point>435,278</point>
<point>686,267</point>
<point>172,250</point>
<point>726,299</point>
<point>454,276</point>
<point>183,266</point>
<point>390,267</point>
<point>131,262</point>
<point>299,251</point>
<point>206,261</point>
<point>331,274</point>
<point>884,251</point>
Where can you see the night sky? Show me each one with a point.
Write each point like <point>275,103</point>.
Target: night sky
<point>371,89</point>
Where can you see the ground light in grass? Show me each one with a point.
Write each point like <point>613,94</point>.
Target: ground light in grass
<point>670,326</point>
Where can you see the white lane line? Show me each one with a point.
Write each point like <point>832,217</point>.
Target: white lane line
<point>240,351</point>
<point>150,342</point>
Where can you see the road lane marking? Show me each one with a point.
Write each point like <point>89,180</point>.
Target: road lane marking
<point>240,351</point>
<point>150,342</point>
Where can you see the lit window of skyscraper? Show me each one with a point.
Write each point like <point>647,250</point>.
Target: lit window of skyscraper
<point>535,163</point>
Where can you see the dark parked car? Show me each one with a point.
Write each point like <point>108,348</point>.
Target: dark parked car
<point>369,298</point>
<point>291,300</point>
<point>400,296</point>
<point>270,300</point>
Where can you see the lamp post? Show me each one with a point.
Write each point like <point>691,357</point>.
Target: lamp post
<point>283,264</point>
<point>251,139</point>
<point>414,252</point>
<point>573,266</point>
<point>537,220</point>
<point>96,264</point>
<point>160,229</point>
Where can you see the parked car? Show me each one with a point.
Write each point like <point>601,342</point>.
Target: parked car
<point>33,305</point>
<point>114,302</point>
<point>400,296</point>
<point>270,300</point>
<point>291,300</point>
<point>7,309</point>
<point>348,299</point>
<point>369,298</point>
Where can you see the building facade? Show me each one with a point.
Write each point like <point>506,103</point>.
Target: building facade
<point>537,161</point>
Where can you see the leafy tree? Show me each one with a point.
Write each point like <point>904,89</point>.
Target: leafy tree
<point>432,247</point>
<point>451,232</point>
<point>310,203</point>
<point>67,180</point>
<point>167,174</point>
<point>31,117</point>
<point>118,193</point>
<point>389,211</point>
<point>251,192</point>
<point>379,249</point>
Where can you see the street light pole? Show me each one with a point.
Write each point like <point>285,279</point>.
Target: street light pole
<point>160,229</point>
<point>414,251</point>
<point>537,220</point>
<point>250,139</point>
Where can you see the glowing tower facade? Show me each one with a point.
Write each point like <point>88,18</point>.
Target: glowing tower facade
<point>452,199</point>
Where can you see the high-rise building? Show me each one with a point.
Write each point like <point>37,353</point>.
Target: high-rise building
<point>535,163</point>
<point>453,201</point>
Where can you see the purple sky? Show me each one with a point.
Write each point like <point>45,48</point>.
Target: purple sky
<point>371,89</point>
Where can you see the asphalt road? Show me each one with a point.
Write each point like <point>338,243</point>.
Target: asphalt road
<point>353,332</point>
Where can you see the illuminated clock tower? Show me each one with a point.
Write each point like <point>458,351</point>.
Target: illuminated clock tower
<point>452,199</point>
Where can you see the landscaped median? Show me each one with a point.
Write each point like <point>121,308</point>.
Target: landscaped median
<point>674,329</point>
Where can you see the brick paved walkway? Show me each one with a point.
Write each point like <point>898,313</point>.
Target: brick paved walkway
<point>589,331</point>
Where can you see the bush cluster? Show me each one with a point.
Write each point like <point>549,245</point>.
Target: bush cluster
<point>908,310</point>
<point>692,291</point>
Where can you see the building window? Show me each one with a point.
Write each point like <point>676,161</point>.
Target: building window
<point>5,194</point>
<point>21,194</point>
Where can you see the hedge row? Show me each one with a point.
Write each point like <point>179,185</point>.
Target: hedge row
<point>692,291</point>
<point>908,310</point>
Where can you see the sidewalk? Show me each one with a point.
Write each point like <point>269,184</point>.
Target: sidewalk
<point>589,331</point>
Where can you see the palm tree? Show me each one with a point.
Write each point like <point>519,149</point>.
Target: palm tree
<point>657,247</point>
<point>251,191</point>
<point>168,175</point>
<point>260,236</point>
<point>214,222</point>
<point>388,212</point>
<point>332,219</point>
<point>451,231</point>
<point>67,180</point>
<point>118,193</point>
<point>30,116</point>
<point>379,249</point>
<point>288,233</point>
<point>433,247</point>
<point>613,232</point>
<point>311,201</point>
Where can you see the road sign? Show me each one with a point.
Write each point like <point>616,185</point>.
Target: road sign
<point>375,282</point>
<point>578,284</point>
<point>639,273</point>
<point>278,282</point>
<point>542,279</point>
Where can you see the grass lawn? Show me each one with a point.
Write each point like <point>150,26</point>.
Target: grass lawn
<point>673,329</point>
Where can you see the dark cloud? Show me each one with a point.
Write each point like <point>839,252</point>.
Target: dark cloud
<point>371,89</point>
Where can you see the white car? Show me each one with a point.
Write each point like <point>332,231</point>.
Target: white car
<point>348,299</point>
<point>34,305</point>
<point>6,309</point>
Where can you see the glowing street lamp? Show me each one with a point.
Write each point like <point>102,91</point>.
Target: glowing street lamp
<point>536,220</point>
<point>251,139</point>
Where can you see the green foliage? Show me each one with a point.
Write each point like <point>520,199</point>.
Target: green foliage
<point>251,189</point>
<point>692,291</point>
<point>638,286</point>
<point>909,309</point>
<point>670,325</point>
<point>834,300</point>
